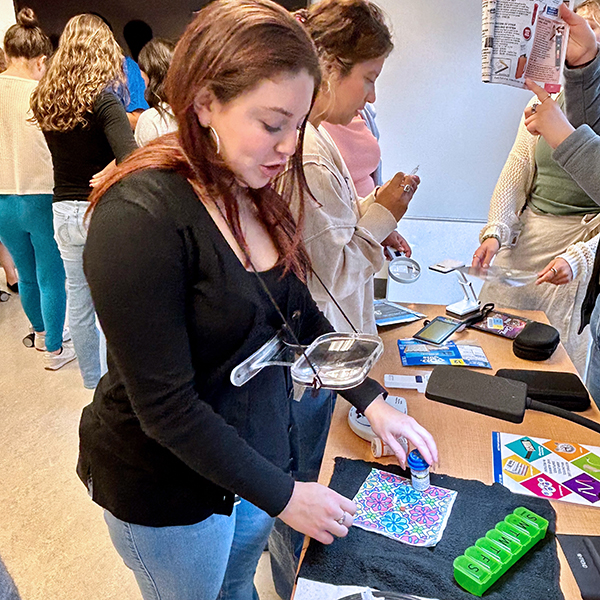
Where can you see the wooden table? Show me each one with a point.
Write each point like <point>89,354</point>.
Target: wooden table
<point>464,438</point>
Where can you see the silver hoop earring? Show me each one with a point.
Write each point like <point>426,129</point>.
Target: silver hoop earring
<point>216,138</point>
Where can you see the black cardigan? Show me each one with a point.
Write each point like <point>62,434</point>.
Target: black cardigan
<point>167,439</point>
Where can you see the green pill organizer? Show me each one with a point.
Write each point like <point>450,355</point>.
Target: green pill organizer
<point>484,563</point>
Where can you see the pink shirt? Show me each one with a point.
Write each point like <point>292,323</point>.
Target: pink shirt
<point>360,151</point>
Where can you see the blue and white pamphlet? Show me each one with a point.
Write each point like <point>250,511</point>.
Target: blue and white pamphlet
<point>415,353</point>
<point>390,313</point>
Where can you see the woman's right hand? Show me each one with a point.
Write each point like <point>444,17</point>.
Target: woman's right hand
<point>316,511</point>
<point>397,193</point>
<point>582,46</point>
<point>484,254</point>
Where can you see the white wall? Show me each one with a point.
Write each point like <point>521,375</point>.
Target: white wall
<point>434,111</point>
<point>7,17</point>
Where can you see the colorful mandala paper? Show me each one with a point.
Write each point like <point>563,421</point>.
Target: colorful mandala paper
<point>388,504</point>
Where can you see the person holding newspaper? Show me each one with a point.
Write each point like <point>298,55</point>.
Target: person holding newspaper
<point>576,148</point>
<point>538,210</point>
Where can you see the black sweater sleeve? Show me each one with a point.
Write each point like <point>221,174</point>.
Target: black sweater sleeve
<point>112,117</point>
<point>134,263</point>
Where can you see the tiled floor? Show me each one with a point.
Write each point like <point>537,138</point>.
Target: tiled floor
<point>52,537</point>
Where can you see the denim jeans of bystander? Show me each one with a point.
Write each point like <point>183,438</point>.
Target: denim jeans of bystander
<point>312,418</point>
<point>593,373</point>
<point>70,233</point>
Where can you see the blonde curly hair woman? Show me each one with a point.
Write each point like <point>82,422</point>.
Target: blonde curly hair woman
<point>86,127</point>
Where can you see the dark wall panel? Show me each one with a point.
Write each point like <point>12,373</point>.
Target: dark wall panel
<point>167,19</point>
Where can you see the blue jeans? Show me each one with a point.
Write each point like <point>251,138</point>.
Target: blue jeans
<point>70,233</point>
<point>8,589</point>
<point>593,375</point>
<point>215,558</point>
<point>26,230</point>
<point>312,418</point>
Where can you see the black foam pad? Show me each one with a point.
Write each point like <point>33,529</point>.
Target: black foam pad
<point>486,394</point>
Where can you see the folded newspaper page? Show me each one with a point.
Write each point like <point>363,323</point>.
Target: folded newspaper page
<point>523,39</point>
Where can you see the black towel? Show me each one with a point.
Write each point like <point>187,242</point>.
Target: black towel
<point>369,559</point>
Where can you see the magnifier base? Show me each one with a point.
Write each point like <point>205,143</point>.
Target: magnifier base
<point>463,308</point>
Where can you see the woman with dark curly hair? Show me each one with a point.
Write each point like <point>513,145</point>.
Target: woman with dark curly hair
<point>154,60</point>
<point>344,233</point>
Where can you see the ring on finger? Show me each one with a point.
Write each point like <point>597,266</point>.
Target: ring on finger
<point>408,188</point>
<point>342,518</point>
<point>534,108</point>
<point>546,98</point>
<point>554,270</point>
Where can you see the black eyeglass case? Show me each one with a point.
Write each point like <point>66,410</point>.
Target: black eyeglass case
<point>564,390</point>
<point>537,341</point>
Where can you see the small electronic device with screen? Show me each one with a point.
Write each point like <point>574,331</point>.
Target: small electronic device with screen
<point>438,330</point>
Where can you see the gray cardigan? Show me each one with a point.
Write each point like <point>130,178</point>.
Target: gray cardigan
<point>579,154</point>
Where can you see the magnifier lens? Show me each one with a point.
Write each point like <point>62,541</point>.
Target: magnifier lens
<point>404,270</point>
<point>342,360</point>
<point>496,274</point>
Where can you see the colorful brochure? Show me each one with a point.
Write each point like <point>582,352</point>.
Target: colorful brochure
<point>547,468</point>
<point>414,353</point>
<point>503,324</point>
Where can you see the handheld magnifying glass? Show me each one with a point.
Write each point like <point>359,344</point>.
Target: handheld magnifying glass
<point>403,269</point>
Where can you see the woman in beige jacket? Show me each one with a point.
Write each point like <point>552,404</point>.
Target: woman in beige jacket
<point>345,234</point>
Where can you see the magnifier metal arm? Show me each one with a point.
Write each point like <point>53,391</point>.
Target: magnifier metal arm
<point>467,287</point>
<point>470,303</point>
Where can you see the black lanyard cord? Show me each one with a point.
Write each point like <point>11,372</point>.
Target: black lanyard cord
<point>334,300</point>
<point>317,383</point>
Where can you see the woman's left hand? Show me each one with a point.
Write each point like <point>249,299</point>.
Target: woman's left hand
<point>546,118</point>
<point>396,242</point>
<point>389,424</point>
<point>557,272</point>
